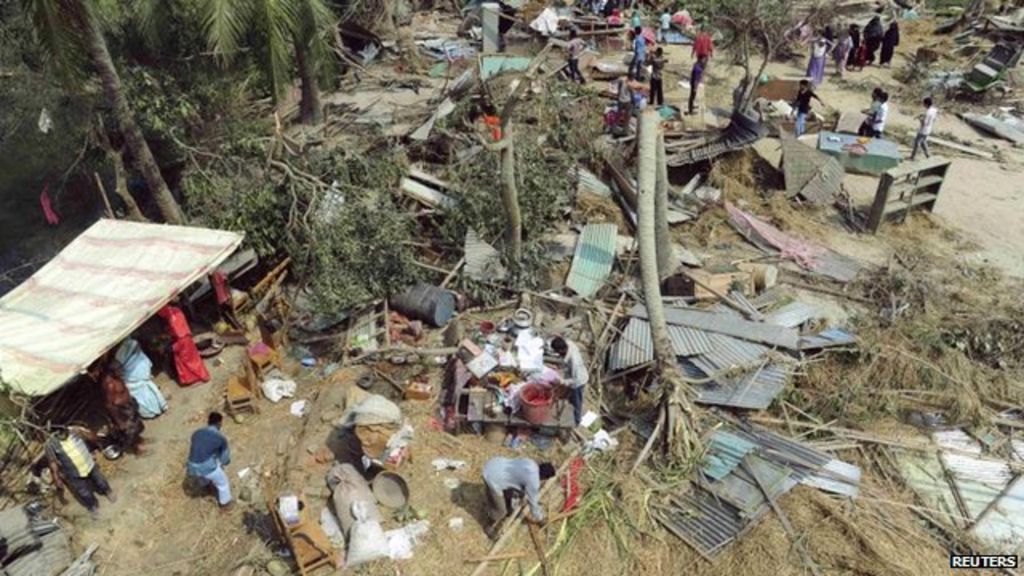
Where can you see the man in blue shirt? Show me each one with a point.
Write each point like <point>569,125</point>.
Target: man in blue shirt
<point>207,456</point>
<point>639,54</point>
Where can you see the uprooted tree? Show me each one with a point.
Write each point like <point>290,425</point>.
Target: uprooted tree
<point>675,421</point>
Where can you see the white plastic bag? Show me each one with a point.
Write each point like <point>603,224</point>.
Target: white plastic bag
<point>366,541</point>
<point>277,388</point>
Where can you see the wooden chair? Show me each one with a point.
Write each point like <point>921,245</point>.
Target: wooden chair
<point>306,539</point>
<point>241,393</point>
<point>262,362</point>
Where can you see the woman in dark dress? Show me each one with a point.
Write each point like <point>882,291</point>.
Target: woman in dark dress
<point>873,34</point>
<point>889,43</point>
<point>851,60</point>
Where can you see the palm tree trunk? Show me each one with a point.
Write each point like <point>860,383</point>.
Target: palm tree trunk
<point>661,232</point>
<point>647,236</point>
<point>311,111</point>
<point>134,140</point>
<point>510,194</point>
<point>678,440</point>
<point>121,189</point>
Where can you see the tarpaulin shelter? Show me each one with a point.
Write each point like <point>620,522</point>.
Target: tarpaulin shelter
<point>94,293</point>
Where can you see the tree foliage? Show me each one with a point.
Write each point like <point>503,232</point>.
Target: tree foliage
<point>349,241</point>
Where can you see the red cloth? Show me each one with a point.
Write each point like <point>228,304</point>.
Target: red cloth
<point>572,484</point>
<point>187,361</point>
<point>177,324</point>
<point>221,288</point>
<point>703,45</point>
<point>44,200</point>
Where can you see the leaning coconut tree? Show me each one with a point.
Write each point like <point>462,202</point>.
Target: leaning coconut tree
<point>675,421</point>
<point>71,33</point>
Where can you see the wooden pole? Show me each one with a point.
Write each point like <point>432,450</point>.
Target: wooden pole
<point>103,194</point>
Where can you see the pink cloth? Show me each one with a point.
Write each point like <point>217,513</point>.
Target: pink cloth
<point>761,233</point>
<point>44,200</point>
<point>682,19</point>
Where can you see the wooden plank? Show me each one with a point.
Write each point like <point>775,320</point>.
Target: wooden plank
<point>904,205</point>
<point>911,168</point>
<point>777,336</point>
<point>916,185</point>
<point>961,148</point>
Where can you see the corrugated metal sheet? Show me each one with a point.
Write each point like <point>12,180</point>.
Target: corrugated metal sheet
<point>727,353</point>
<point>752,391</point>
<point>689,341</point>
<point>956,439</point>
<point>706,523</point>
<point>725,452</point>
<point>595,254</point>
<point>827,339</point>
<point>743,491</point>
<point>1017,449</point>
<point>494,64</point>
<point>634,346</point>
<point>793,314</point>
<point>781,449</point>
<point>1002,527</point>
<point>483,262</point>
<point>979,480</point>
<point>589,182</point>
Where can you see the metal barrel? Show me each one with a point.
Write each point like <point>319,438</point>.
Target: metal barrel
<point>431,304</point>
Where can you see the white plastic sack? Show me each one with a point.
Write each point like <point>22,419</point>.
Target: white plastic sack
<point>331,528</point>
<point>274,389</point>
<point>374,410</point>
<point>367,541</point>
<point>546,23</point>
<point>402,540</point>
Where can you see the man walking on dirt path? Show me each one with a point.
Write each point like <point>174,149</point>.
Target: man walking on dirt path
<point>703,46</point>
<point>508,480</point>
<point>574,373</point>
<point>207,457</point>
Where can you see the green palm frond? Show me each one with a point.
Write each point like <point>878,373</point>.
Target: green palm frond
<point>60,27</point>
<point>278,20</point>
<point>225,23</point>
<point>150,18</point>
<point>316,29</point>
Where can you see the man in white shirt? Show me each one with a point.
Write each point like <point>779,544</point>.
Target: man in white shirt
<point>927,124</point>
<point>574,374</point>
<point>575,48</point>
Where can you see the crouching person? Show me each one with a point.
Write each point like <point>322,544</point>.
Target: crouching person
<point>508,480</point>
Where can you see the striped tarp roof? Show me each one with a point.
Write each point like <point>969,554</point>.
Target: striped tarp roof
<point>93,294</point>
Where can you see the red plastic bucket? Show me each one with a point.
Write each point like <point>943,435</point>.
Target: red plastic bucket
<point>536,403</point>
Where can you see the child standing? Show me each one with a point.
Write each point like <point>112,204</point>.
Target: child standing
<point>803,106</point>
<point>931,113</point>
<point>657,62</point>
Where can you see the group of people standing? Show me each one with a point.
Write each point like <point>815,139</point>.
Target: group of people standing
<point>853,50</point>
